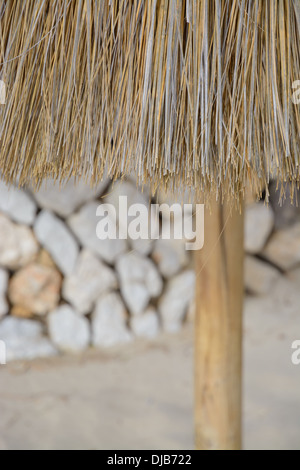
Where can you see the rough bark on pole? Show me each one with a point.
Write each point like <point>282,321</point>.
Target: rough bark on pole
<point>218,342</point>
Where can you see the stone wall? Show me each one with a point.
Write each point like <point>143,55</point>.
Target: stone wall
<point>63,290</point>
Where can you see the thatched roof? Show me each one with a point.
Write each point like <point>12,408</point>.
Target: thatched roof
<point>187,92</point>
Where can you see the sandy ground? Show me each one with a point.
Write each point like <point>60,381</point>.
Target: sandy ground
<point>141,397</point>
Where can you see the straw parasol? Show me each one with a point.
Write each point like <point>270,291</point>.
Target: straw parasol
<point>186,93</point>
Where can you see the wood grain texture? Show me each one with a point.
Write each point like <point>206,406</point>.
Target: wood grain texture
<point>218,341</point>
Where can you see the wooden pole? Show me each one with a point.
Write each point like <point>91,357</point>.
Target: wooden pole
<point>218,342</point>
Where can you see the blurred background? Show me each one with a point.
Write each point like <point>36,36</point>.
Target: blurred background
<point>99,334</point>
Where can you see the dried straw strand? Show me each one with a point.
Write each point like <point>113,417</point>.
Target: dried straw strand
<point>185,93</point>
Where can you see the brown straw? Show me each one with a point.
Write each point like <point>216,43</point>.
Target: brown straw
<point>185,93</point>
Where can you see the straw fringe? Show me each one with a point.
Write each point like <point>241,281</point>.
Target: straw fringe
<point>193,93</point>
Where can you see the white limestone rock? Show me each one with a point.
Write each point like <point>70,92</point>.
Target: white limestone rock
<point>84,225</point>
<point>259,276</point>
<point>57,239</point>
<point>140,281</point>
<point>69,331</point>
<point>24,339</point>
<point>130,190</point>
<point>65,199</point>
<point>18,245</point>
<point>134,195</point>
<point>17,204</point>
<point>144,247</point>
<point>171,256</point>
<point>259,223</point>
<point>176,300</point>
<point>90,279</point>
<point>109,319</point>
<point>283,249</point>
<point>145,325</point>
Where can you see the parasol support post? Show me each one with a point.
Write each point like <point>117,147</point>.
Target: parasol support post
<point>218,328</point>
